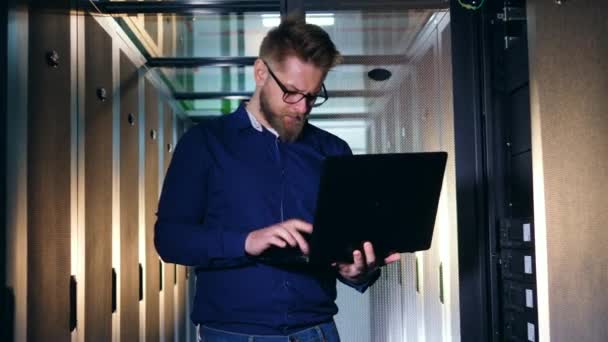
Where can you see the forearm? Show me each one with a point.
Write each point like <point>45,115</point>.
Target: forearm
<point>199,245</point>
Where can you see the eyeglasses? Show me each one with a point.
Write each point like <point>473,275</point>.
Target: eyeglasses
<point>293,97</point>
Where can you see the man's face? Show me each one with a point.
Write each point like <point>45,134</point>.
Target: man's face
<point>289,119</point>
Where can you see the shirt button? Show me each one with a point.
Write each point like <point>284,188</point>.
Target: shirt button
<point>287,284</point>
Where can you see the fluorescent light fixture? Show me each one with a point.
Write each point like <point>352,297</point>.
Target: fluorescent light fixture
<point>321,19</point>
<point>271,20</point>
<point>236,97</point>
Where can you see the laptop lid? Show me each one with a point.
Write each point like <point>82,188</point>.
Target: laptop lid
<point>390,200</point>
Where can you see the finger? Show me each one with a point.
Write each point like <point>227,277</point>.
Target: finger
<point>392,258</point>
<point>342,265</point>
<point>358,261</point>
<point>300,240</point>
<point>277,241</point>
<point>300,225</point>
<point>370,256</point>
<point>286,235</point>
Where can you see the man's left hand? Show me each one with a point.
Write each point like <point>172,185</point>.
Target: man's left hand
<point>364,264</point>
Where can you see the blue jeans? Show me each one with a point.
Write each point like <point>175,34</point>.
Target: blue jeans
<point>325,332</point>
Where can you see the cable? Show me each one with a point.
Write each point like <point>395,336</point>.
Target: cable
<point>471,7</point>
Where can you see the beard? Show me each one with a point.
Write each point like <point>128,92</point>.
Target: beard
<point>275,120</point>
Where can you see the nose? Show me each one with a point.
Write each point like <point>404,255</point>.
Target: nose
<point>302,107</point>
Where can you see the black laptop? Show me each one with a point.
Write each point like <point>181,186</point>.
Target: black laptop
<point>388,199</point>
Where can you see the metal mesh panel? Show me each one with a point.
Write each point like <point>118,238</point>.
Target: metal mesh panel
<point>412,114</point>
<point>447,211</point>
<point>190,293</point>
<point>386,305</point>
<point>48,179</point>
<point>151,173</point>
<point>181,316</point>
<point>427,110</point>
<point>98,183</point>
<point>354,318</point>
<point>169,269</point>
<point>568,81</point>
<point>129,201</point>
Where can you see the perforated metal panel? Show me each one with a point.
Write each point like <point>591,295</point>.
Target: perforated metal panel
<point>181,316</point>
<point>98,182</point>
<point>48,177</point>
<point>429,116</point>
<point>387,317</point>
<point>448,215</point>
<point>168,135</point>
<point>568,46</point>
<point>190,293</point>
<point>416,299</point>
<point>169,269</point>
<point>151,172</point>
<point>129,201</point>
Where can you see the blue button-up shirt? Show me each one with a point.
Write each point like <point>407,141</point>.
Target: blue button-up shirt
<point>227,178</point>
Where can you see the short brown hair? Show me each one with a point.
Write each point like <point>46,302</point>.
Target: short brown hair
<point>295,37</point>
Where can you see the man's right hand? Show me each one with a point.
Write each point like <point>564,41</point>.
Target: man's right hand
<point>280,235</point>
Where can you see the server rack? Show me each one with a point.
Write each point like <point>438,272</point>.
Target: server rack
<point>512,269</point>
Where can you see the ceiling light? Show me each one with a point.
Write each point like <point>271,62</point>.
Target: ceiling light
<point>320,19</point>
<point>379,74</point>
<point>271,20</point>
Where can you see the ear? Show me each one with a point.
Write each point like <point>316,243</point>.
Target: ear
<point>260,72</point>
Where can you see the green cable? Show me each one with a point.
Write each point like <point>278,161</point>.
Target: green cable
<point>471,7</point>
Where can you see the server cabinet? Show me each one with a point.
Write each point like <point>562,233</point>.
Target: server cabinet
<point>129,201</point>
<point>153,266</point>
<point>168,135</point>
<point>513,268</point>
<point>417,116</point>
<point>48,175</point>
<point>569,83</point>
<point>429,118</point>
<point>98,159</point>
<point>6,306</point>
<point>182,317</point>
<point>169,273</point>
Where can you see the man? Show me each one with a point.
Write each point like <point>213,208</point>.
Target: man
<point>247,182</point>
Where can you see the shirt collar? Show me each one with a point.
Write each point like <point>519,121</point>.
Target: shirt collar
<point>245,119</point>
<point>257,125</point>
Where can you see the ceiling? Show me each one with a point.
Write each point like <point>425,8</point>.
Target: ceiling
<point>204,50</point>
